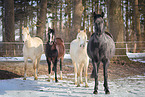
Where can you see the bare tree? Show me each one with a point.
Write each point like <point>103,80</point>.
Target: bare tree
<point>115,22</point>
<point>42,19</point>
<point>9,21</point>
<point>77,17</point>
<point>137,22</point>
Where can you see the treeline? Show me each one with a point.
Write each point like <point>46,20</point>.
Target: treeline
<point>125,19</point>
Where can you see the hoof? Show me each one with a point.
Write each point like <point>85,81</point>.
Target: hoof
<point>48,80</point>
<point>78,85</point>
<point>24,78</point>
<point>95,92</point>
<point>61,78</point>
<point>35,78</point>
<point>86,85</point>
<point>81,82</point>
<point>75,83</point>
<point>107,92</point>
<point>56,81</point>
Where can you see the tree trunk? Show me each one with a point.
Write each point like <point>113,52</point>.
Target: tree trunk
<point>9,21</point>
<point>137,23</point>
<point>77,17</point>
<point>127,32</point>
<point>60,22</point>
<point>42,19</point>
<point>9,26</point>
<point>115,23</point>
<point>84,14</point>
<point>21,30</point>
<point>3,23</point>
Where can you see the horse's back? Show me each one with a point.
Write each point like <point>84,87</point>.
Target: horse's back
<point>37,41</point>
<point>59,41</point>
<point>110,46</point>
<point>35,48</point>
<point>73,47</point>
<point>60,47</point>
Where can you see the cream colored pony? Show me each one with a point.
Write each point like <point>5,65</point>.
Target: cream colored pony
<point>32,49</point>
<point>80,59</point>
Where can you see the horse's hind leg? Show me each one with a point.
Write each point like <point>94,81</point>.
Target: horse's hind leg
<point>25,68</point>
<point>38,61</point>
<point>61,61</point>
<point>86,74</point>
<point>34,67</point>
<point>105,66</point>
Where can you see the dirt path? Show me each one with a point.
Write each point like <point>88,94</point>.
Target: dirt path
<point>117,69</point>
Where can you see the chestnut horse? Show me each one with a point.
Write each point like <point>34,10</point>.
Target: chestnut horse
<point>101,48</point>
<point>54,51</point>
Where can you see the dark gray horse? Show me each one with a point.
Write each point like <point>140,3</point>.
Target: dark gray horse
<point>101,48</point>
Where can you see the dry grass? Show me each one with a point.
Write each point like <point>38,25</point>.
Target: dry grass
<point>117,69</point>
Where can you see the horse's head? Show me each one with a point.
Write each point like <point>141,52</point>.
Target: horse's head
<point>82,38</point>
<point>51,35</point>
<point>25,33</point>
<point>99,23</point>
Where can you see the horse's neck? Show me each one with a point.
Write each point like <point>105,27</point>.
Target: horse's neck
<point>52,46</point>
<point>99,38</point>
<point>28,42</point>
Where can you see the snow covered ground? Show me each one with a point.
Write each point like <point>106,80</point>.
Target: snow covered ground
<point>126,87</point>
<point>66,56</point>
<point>43,57</point>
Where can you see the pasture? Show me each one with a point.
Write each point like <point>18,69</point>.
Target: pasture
<point>66,86</point>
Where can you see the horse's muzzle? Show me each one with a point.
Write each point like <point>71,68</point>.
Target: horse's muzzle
<point>82,45</point>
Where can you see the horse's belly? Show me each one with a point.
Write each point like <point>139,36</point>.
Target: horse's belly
<point>31,53</point>
<point>79,56</point>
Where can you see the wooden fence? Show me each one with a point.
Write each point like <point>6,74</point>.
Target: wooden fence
<point>10,49</point>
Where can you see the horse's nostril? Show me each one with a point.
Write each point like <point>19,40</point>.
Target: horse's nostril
<point>82,45</point>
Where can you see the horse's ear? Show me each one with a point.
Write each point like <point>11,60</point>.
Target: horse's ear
<point>48,28</point>
<point>22,27</point>
<point>85,30</point>
<point>27,28</point>
<point>78,30</point>
<point>94,14</point>
<point>102,14</point>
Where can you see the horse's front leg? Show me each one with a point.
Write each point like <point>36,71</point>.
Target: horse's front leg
<point>38,61</point>
<point>25,68</point>
<point>81,70</point>
<point>34,67</point>
<point>86,74</point>
<point>75,72</point>
<point>95,71</point>
<point>55,69</point>
<point>105,66</point>
<point>49,68</point>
